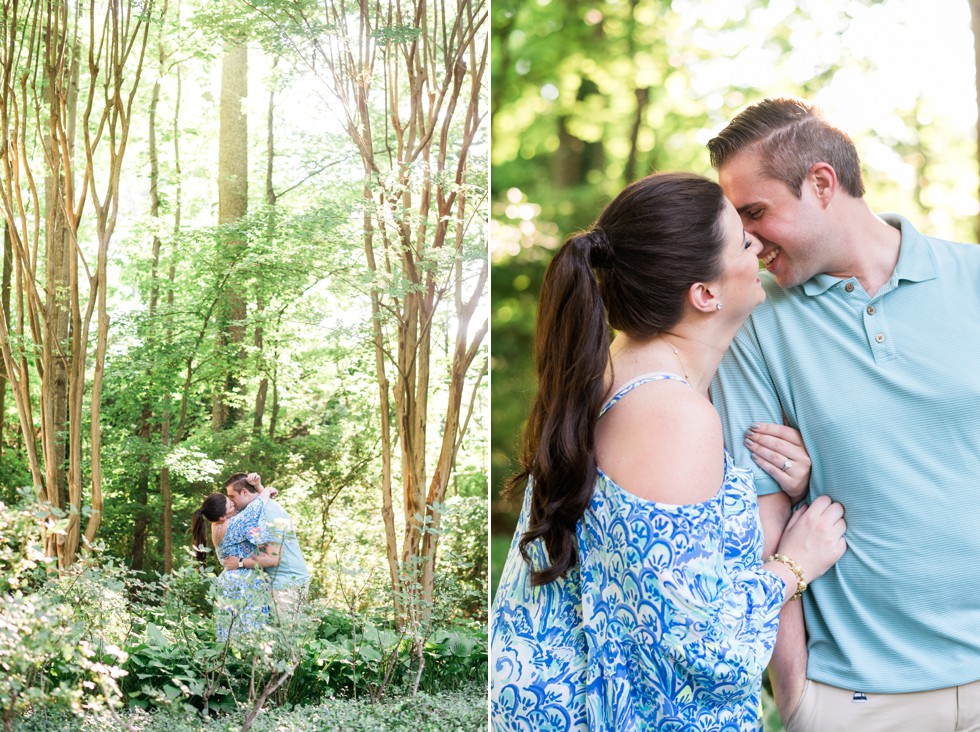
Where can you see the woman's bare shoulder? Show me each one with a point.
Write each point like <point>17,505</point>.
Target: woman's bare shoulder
<point>218,532</point>
<point>663,442</point>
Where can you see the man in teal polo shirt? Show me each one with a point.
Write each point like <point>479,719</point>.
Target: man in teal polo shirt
<point>869,344</point>
<point>279,552</point>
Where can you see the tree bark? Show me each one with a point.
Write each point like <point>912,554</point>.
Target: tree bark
<point>165,489</point>
<point>60,290</point>
<point>8,263</point>
<point>141,520</point>
<point>40,104</point>
<point>642,95</point>
<point>261,394</point>
<point>232,207</point>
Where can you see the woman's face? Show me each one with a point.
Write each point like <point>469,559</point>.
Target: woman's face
<point>230,508</point>
<point>738,289</point>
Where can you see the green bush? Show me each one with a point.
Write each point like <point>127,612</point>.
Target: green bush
<point>463,710</point>
<point>97,646</point>
<point>351,659</point>
<point>461,569</point>
<point>59,634</point>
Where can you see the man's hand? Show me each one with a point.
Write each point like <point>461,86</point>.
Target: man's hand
<point>231,562</point>
<point>254,480</point>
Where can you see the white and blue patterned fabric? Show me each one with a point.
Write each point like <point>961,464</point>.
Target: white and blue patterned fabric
<point>243,594</point>
<point>666,622</point>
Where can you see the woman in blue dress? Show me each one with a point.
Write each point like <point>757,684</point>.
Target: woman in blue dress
<point>243,593</point>
<point>634,596</point>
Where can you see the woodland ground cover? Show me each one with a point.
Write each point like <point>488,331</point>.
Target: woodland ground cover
<point>99,645</point>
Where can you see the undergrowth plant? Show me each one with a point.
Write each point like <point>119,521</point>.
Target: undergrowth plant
<point>99,641</point>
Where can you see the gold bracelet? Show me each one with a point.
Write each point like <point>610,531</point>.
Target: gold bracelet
<point>801,583</point>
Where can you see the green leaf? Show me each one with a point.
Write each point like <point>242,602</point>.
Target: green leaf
<point>156,635</point>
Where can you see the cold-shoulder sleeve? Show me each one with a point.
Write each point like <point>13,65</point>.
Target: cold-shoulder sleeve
<point>675,613</point>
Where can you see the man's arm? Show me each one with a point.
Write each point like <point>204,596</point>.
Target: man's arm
<point>265,494</point>
<point>743,393</point>
<point>268,556</point>
<point>787,669</point>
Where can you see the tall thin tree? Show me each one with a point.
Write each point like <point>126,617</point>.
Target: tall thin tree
<point>58,63</point>
<point>409,80</point>
<point>232,207</point>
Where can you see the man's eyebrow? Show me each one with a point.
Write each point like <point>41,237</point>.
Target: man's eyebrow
<point>742,209</point>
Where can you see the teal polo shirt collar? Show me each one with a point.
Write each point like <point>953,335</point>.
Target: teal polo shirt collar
<point>915,262</point>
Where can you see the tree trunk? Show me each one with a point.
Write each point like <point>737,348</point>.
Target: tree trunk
<point>642,96</point>
<point>154,158</point>
<point>142,519</point>
<point>261,394</point>
<point>384,404</point>
<point>41,62</point>
<point>56,351</point>
<point>464,353</point>
<point>8,263</point>
<point>165,489</point>
<point>274,412</point>
<point>232,207</point>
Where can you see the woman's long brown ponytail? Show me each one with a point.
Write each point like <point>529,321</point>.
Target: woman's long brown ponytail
<point>571,355</point>
<point>657,238</point>
<point>213,508</point>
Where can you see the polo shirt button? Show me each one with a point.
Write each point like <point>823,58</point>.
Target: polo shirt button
<point>871,309</point>
<point>849,287</point>
<point>880,338</point>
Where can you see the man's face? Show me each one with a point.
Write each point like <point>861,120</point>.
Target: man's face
<point>241,500</point>
<point>789,228</point>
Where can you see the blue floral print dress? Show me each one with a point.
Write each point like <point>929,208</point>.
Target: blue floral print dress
<point>665,623</point>
<point>243,594</point>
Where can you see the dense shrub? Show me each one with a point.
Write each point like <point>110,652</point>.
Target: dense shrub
<point>60,634</point>
<point>462,567</point>
<point>349,659</point>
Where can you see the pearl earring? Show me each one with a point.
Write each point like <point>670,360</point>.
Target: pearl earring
<point>718,306</point>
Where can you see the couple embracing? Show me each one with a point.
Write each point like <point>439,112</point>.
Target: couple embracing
<point>254,539</point>
<point>647,587</point>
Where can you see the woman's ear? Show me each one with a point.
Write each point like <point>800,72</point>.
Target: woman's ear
<point>703,298</point>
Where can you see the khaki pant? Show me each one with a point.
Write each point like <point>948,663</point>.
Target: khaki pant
<point>286,603</point>
<point>824,708</point>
